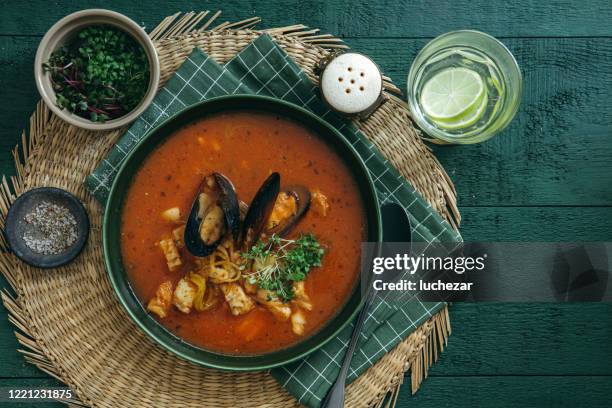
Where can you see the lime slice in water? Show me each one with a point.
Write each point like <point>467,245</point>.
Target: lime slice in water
<point>468,118</point>
<point>451,93</point>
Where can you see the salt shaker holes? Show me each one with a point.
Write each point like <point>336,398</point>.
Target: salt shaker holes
<point>351,83</point>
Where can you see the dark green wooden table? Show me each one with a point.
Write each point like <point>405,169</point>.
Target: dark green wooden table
<point>548,177</point>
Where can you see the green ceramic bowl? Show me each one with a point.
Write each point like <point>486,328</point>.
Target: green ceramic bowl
<point>112,227</point>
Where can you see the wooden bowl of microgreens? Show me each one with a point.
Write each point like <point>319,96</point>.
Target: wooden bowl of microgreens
<point>97,69</point>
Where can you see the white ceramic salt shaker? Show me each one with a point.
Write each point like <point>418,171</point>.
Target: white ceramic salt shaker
<point>351,84</point>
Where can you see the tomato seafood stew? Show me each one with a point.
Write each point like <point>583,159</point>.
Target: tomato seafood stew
<point>241,233</point>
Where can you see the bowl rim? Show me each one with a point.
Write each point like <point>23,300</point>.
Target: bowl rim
<point>66,26</point>
<point>378,228</point>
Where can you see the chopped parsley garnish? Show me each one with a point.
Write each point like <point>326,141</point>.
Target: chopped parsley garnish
<point>101,74</point>
<point>278,262</point>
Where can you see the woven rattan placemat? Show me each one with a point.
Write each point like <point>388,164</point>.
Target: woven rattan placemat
<point>69,320</point>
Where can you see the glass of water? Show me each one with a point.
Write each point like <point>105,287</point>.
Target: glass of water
<point>464,87</point>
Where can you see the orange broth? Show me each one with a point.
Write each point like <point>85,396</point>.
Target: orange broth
<point>246,147</point>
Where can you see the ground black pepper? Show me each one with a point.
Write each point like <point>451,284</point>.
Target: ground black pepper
<point>52,229</point>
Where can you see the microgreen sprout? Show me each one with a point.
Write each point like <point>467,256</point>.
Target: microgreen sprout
<point>101,74</point>
<point>279,262</point>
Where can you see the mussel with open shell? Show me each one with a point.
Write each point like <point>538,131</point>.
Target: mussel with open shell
<point>214,212</point>
<point>274,211</point>
<point>290,206</point>
<point>259,210</point>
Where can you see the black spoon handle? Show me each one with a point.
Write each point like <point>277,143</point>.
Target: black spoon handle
<point>335,396</point>
<point>396,229</point>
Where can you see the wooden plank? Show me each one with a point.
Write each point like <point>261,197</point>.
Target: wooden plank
<point>531,339</point>
<point>556,152</point>
<point>537,224</point>
<point>18,91</point>
<point>502,392</point>
<point>353,18</point>
<point>528,339</point>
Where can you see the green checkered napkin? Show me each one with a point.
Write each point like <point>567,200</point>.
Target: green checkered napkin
<point>264,68</point>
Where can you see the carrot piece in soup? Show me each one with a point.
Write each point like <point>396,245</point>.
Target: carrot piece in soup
<point>252,325</point>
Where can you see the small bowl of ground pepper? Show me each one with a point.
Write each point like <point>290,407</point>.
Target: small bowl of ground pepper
<point>97,69</point>
<point>46,227</point>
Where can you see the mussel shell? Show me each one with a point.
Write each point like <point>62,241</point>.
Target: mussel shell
<point>302,198</point>
<point>229,204</point>
<point>228,201</point>
<point>259,211</point>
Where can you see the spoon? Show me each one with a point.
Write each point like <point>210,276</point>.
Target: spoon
<point>396,229</point>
